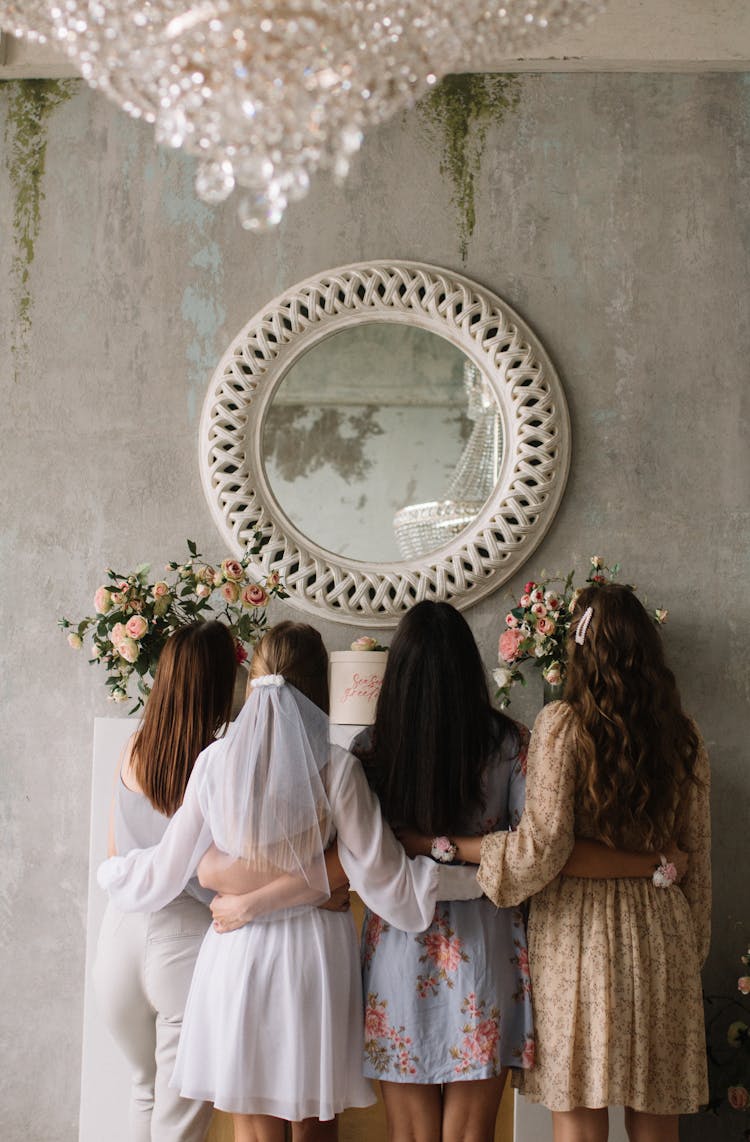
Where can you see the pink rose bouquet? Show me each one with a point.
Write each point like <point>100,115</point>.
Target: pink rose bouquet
<point>134,617</point>
<point>536,628</point>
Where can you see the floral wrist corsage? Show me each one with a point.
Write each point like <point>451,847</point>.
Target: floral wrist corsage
<point>665,873</point>
<point>443,850</point>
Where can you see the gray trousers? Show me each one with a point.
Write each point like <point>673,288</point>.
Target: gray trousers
<point>142,974</point>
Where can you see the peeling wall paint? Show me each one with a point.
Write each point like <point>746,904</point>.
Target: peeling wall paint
<point>31,103</point>
<point>330,437</point>
<point>458,115</point>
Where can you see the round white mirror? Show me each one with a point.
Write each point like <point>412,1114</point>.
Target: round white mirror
<point>373,427</point>
<point>390,432</point>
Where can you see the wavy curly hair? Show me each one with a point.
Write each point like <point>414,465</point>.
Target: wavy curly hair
<point>636,746</point>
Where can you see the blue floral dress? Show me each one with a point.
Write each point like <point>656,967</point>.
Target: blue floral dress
<point>454,1003</point>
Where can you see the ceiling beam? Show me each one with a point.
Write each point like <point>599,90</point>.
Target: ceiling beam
<point>631,35</point>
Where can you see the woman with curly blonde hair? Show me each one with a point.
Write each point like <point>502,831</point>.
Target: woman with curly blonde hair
<point>615,964</point>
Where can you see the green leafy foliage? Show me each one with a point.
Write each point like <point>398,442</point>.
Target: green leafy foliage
<point>135,616</point>
<point>459,112</point>
<point>537,625</point>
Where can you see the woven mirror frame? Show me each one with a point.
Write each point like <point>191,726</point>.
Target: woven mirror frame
<point>535,425</point>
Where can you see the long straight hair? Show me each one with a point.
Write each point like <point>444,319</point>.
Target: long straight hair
<point>189,706</point>
<point>295,650</point>
<point>636,746</point>
<point>435,729</point>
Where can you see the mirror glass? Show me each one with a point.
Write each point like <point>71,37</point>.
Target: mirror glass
<point>382,442</point>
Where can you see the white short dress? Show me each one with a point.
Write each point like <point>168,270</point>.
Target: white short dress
<point>273,1023</point>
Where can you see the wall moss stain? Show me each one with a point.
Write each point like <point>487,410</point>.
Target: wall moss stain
<point>299,440</point>
<point>30,104</point>
<point>457,114</point>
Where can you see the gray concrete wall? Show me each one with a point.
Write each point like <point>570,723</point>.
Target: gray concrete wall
<point>612,212</point>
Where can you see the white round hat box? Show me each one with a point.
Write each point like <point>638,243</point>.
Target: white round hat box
<point>355,678</point>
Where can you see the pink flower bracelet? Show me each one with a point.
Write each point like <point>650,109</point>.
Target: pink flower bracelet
<point>665,873</point>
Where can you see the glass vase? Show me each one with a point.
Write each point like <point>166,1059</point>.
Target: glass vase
<point>552,693</point>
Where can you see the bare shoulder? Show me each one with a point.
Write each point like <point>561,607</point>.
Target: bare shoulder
<point>125,769</point>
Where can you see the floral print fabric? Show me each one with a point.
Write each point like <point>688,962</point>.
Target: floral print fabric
<point>453,1003</point>
<point>615,963</point>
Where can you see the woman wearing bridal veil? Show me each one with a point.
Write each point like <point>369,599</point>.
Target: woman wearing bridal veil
<point>273,1024</point>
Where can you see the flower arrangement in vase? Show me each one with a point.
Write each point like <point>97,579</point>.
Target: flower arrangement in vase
<point>135,616</point>
<point>536,628</point>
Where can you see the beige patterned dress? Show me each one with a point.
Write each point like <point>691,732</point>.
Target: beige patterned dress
<point>615,964</point>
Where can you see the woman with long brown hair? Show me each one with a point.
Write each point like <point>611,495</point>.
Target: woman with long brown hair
<point>272,1026</point>
<point>145,960</point>
<point>615,964</point>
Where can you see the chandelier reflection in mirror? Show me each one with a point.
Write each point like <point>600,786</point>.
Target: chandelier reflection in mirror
<point>266,91</point>
<point>421,528</point>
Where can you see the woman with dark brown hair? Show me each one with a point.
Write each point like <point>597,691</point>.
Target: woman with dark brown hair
<point>273,1024</point>
<point>615,964</point>
<point>145,960</point>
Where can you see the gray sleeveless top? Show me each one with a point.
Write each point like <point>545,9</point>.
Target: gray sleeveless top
<point>139,826</point>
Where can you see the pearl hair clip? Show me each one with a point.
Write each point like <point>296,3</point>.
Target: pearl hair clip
<point>583,625</point>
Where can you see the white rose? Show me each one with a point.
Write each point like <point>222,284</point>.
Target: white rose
<point>502,676</point>
<point>597,561</point>
<point>128,649</point>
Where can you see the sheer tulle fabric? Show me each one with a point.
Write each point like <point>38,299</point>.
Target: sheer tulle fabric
<point>274,809</point>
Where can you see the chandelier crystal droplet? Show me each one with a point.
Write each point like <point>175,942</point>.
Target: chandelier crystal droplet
<point>265,92</point>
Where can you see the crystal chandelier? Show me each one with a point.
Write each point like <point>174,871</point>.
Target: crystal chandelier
<point>264,92</point>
